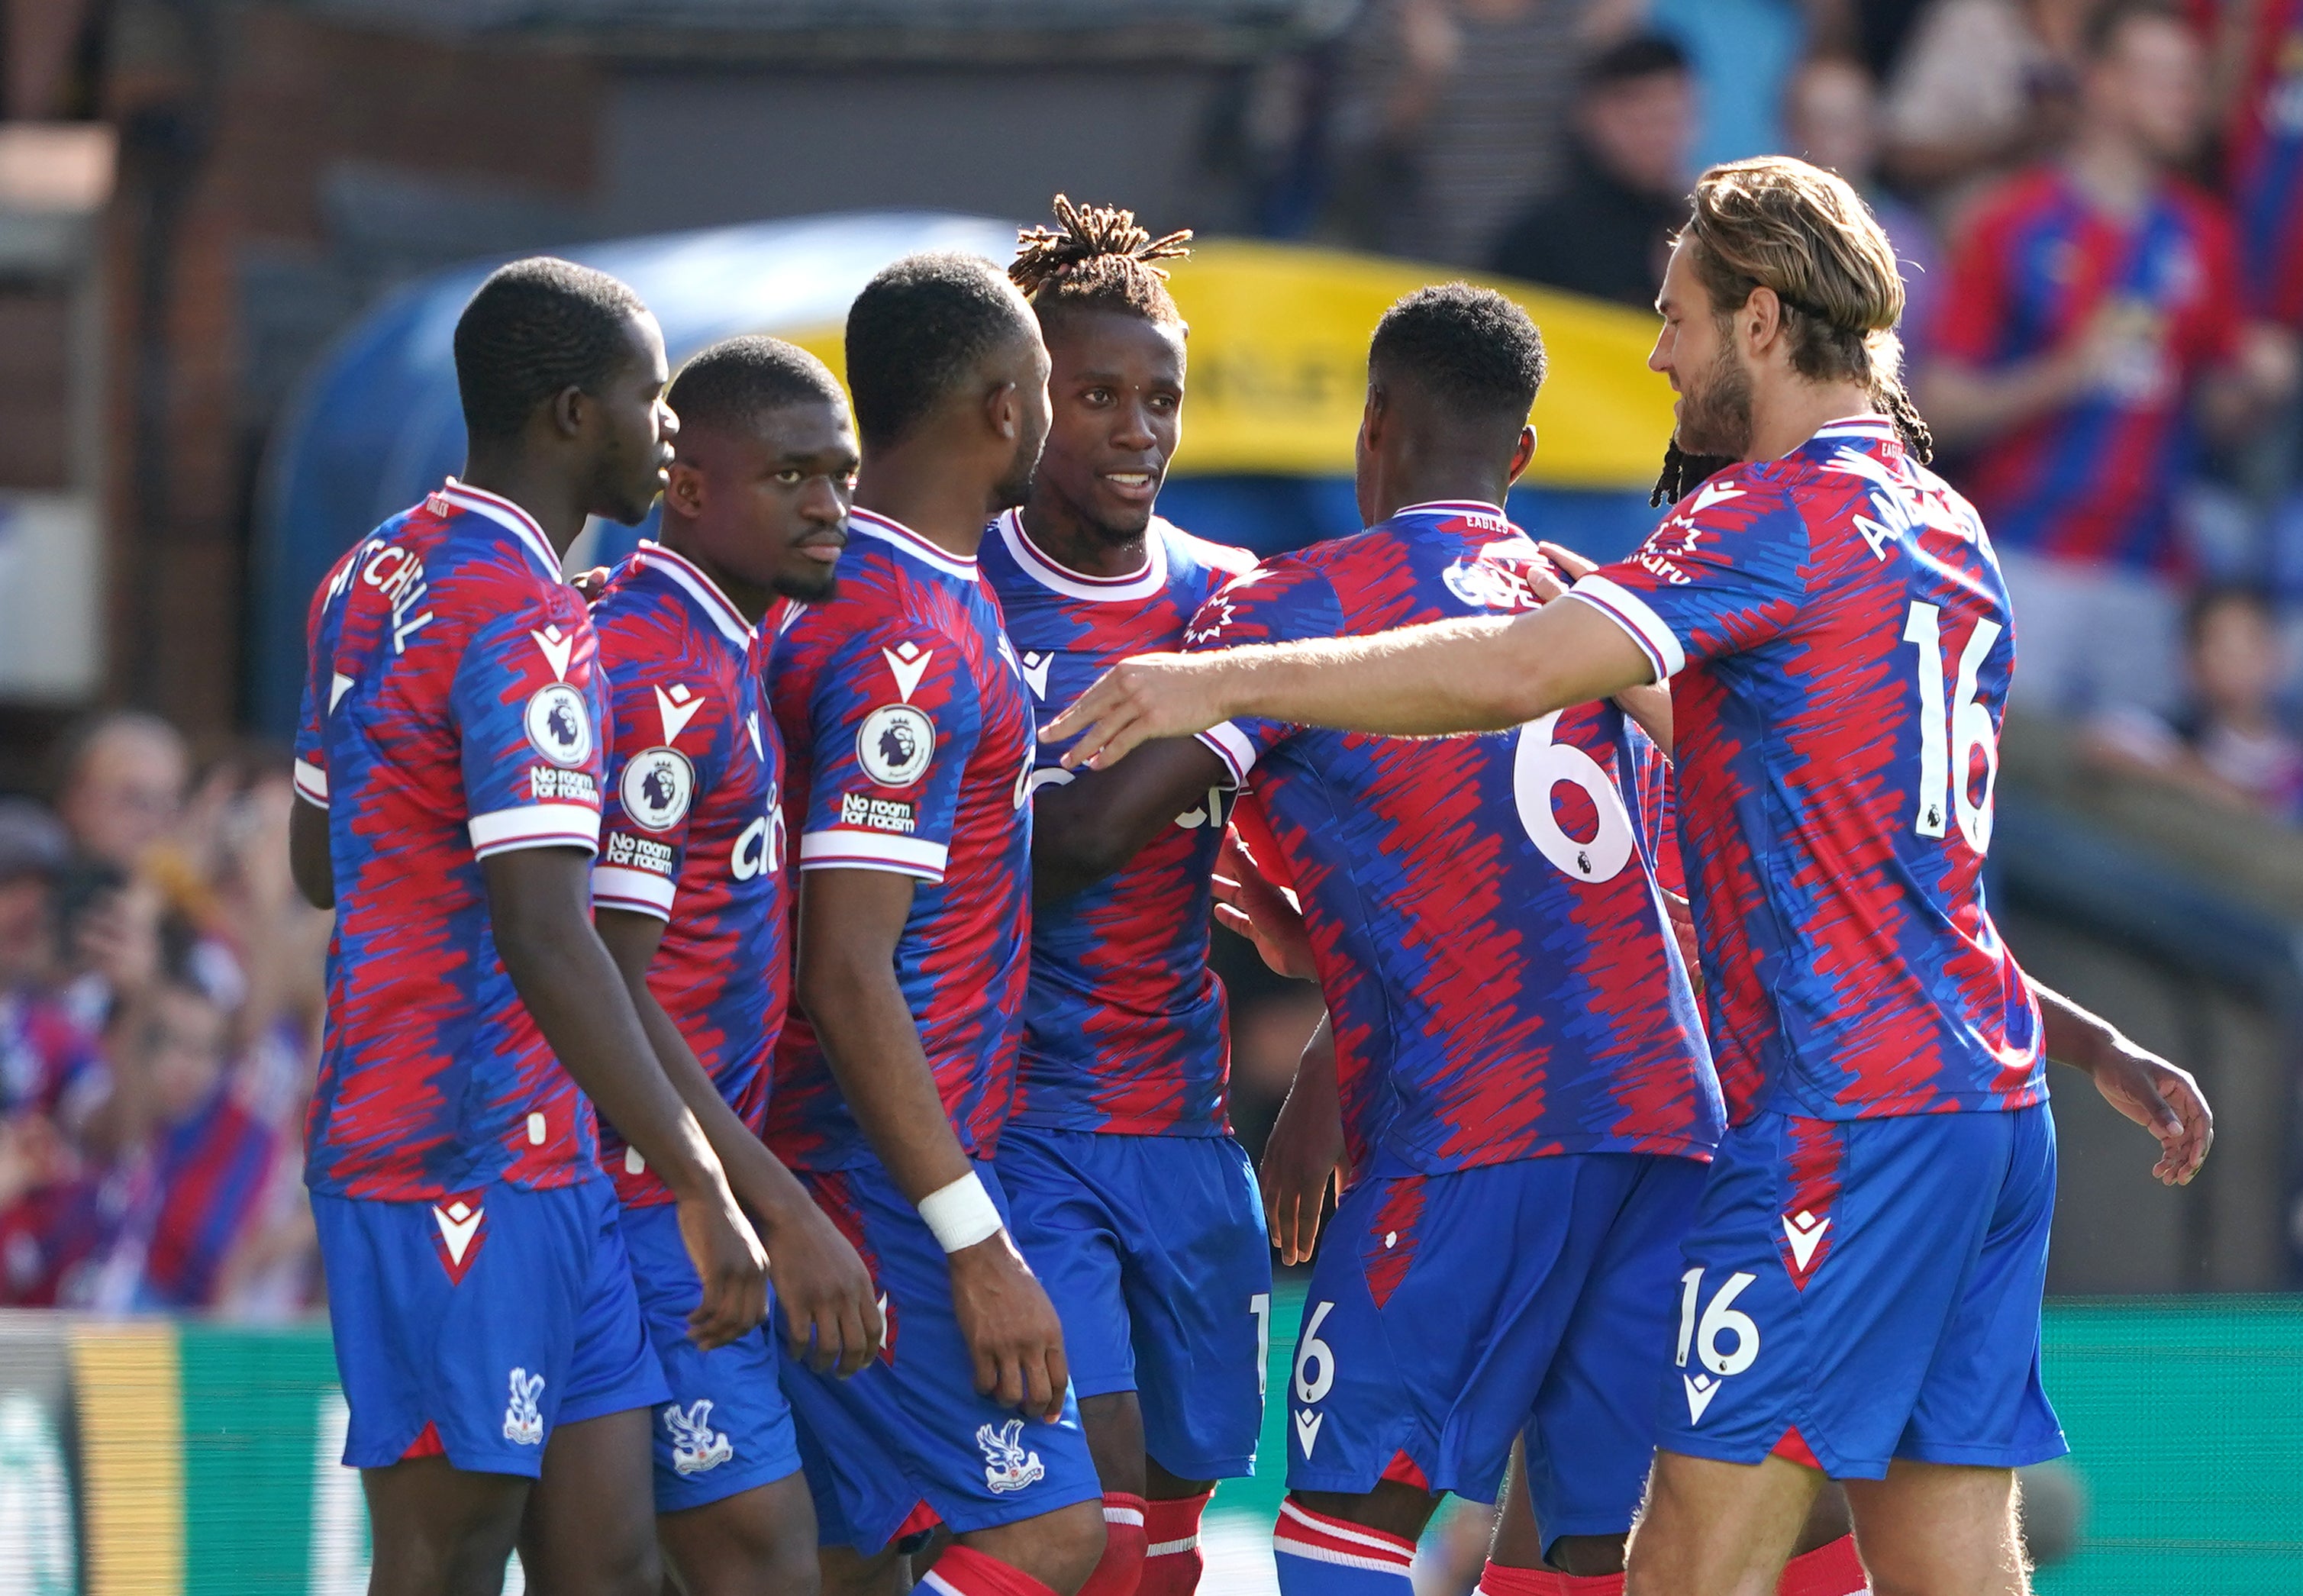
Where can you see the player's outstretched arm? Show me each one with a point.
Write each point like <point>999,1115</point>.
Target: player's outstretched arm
<point>851,924</point>
<point>540,908</point>
<point>1304,1154</point>
<point>830,1316</point>
<point>1084,830</point>
<point>309,862</point>
<point>1437,681</point>
<point>2164,1099</point>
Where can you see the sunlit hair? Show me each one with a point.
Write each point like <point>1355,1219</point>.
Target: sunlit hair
<point>1780,224</point>
<point>1097,258</point>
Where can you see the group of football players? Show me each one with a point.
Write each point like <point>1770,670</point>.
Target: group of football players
<point>914,1247</point>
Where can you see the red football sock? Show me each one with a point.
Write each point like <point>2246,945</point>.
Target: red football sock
<point>964,1571</point>
<point>1829,1570</point>
<point>1121,1570</point>
<point>1498,1579</point>
<point>1171,1555</point>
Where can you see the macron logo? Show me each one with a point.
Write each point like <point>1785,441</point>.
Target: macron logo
<point>1035,672</point>
<point>909,661</point>
<point>1701,1390</point>
<point>1804,1231</point>
<point>557,647</point>
<point>678,708</point>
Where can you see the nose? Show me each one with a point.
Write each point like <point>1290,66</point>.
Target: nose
<point>667,421</point>
<point>819,503</point>
<point>1656,359</point>
<point>1134,428</point>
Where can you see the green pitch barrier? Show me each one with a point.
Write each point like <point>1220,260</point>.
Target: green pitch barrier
<point>154,1459</point>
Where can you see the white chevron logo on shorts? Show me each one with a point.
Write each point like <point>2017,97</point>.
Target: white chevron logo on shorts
<point>459,1223</point>
<point>1307,1429</point>
<point>1701,1390</point>
<point>339,684</point>
<point>1805,1232</point>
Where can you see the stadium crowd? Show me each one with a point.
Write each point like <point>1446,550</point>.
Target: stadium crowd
<point>2105,256</point>
<point>2099,210</point>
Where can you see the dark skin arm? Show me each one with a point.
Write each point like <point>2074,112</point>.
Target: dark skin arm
<point>309,862</point>
<point>830,1316</point>
<point>1084,830</point>
<point>540,908</point>
<point>851,924</point>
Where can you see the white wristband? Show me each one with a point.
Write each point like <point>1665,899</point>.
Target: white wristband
<point>961,1214</point>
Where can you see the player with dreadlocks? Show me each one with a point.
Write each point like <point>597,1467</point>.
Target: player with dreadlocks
<point>1135,1205</point>
<point>1862,1292</point>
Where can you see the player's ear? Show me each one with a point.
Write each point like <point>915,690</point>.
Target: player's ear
<point>568,409</point>
<point>1523,452</point>
<point>1003,408</point>
<point>684,486</point>
<point>1372,414</point>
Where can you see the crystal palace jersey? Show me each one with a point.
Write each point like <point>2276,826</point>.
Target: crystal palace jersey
<point>1483,913</point>
<point>453,710</point>
<point>691,830</point>
<point>1840,636</point>
<point>910,744</point>
<point>2267,161</point>
<point>2095,479</point>
<point>1123,1024</point>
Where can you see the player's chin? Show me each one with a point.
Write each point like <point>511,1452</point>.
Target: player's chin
<point>810,585</point>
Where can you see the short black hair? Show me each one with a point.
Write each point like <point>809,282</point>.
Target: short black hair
<point>734,382</point>
<point>918,331</point>
<point>1472,350</point>
<point>2100,36</point>
<point>536,327</point>
<point>1641,55</point>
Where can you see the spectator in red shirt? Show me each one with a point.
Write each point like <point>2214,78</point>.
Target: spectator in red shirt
<point>201,1178</point>
<point>2092,324</point>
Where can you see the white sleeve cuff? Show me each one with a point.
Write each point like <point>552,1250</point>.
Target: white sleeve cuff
<point>1231,745</point>
<point>1629,610</point>
<point>843,849</point>
<point>311,783</point>
<point>642,891</point>
<point>536,826</point>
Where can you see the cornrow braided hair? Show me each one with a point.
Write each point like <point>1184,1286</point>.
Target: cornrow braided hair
<point>1098,258</point>
<point>1805,235</point>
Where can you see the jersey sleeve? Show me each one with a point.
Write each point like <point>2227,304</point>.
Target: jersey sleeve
<point>664,758</point>
<point>894,716</point>
<point>310,770</point>
<point>528,710</point>
<point>1724,574</point>
<point>1288,601</point>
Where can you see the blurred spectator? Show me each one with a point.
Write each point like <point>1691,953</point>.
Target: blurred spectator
<point>201,1177</point>
<point>1981,85</point>
<point>1447,113</point>
<point>1832,112</point>
<point>124,775</point>
<point>1607,234</point>
<point>2263,150</point>
<point>52,1076</point>
<point>2091,317</point>
<point>1744,52</point>
<point>2226,742</point>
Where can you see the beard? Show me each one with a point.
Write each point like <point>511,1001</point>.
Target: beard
<point>1014,490</point>
<point>812,589</point>
<point>1715,414</point>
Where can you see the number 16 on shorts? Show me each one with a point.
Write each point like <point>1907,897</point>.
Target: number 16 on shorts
<point>1721,1337</point>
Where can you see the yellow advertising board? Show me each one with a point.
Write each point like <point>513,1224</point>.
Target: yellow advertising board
<point>1278,366</point>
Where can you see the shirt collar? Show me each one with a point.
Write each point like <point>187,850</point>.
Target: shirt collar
<point>896,535</point>
<point>478,501</point>
<point>690,576</point>
<point>1057,578</point>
